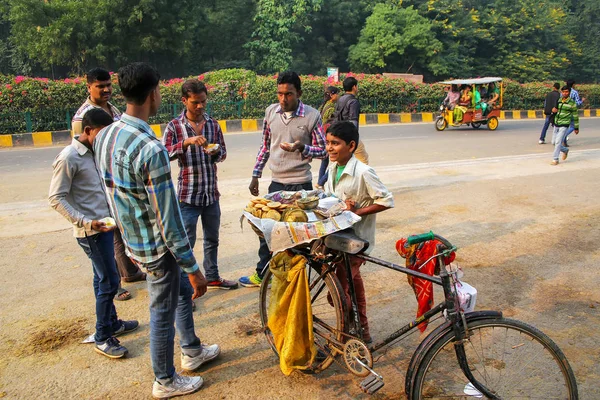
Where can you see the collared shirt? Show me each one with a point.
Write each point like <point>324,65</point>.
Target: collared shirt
<point>567,112</point>
<point>316,150</point>
<point>136,173</point>
<point>360,183</point>
<point>575,96</point>
<point>75,190</point>
<point>76,127</point>
<point>197,180</point>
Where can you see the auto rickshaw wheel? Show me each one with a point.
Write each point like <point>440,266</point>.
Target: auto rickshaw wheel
<point>492,123</point>
<point>441,123</point>
<point>475,125</point>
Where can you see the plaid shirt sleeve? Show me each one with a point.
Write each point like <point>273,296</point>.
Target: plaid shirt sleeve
<point>162,198</point>
<point>317,150</point>
<point>575,96</point>
<point>264,152</point>
<point>172,142</point>
<point>222,154</point>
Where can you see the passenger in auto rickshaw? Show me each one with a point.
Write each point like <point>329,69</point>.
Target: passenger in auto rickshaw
<point>493,95</point>
<point>479,103</point>
<point>452,97</point>
<point>463,104</point>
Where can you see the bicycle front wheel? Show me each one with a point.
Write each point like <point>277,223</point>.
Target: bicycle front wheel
<point>328,310</point>
<point>510,358</point>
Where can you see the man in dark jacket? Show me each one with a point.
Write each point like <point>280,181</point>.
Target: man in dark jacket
<point>347,107</point>
<point>549,104</point>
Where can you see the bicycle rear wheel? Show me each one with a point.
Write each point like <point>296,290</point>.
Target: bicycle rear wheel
<point>510,358</point>
<point>328,309</point>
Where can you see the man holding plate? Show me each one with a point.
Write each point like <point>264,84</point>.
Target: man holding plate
<point>196,141</point>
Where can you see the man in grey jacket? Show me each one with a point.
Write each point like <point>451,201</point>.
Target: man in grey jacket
<point>76,193</point>
<point>347,107</point>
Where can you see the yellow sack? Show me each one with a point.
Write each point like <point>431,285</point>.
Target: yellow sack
<point>290,313</point>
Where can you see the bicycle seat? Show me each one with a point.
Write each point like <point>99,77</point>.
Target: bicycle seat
<point>346,241</point>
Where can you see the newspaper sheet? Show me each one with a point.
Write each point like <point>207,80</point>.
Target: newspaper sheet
<point>284,235</point>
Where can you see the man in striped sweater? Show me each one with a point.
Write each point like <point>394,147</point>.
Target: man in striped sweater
<point>565,110</point>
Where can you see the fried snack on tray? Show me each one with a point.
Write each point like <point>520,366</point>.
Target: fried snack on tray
<point>275,210</point>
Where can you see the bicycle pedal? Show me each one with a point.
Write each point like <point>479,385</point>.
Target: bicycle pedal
<point>371,384</point>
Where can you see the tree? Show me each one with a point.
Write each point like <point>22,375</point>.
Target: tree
<point>334,29</point>
<point>398,39</point>
<point>520,39</point>
<point>272,39</point>
<point>584,16</point>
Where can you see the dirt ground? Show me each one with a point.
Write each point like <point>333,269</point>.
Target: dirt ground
<point>528,237</point>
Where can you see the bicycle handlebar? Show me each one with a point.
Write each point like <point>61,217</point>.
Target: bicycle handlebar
<point>423,237</point>
<point>416,239</point>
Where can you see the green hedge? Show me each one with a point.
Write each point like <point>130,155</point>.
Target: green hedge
<point>40,104</point>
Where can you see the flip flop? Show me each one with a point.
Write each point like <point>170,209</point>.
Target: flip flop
<point>122,295</point>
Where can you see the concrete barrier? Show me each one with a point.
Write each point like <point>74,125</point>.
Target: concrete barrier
<point>41,139</point>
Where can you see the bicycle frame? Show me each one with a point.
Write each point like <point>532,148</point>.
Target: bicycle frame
<point>443,280</point>
<point>341,338</point>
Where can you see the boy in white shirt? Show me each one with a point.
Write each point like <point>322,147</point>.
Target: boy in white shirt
<point>365,195</point>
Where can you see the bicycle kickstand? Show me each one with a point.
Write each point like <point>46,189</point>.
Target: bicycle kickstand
<point>371,383</point>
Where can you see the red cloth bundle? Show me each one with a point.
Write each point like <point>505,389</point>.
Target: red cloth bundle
<point>415,256</point>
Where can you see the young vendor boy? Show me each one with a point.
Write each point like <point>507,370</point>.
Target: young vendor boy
<point>359,186</point>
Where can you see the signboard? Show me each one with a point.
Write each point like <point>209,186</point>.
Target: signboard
<point>333,72</point>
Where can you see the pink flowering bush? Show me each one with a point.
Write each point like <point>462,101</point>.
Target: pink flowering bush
<point>239,93</point>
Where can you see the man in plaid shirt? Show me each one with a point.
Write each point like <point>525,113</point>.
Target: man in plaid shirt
<point>99,87</point>
<point>187,139</point>
<point>135,171</point>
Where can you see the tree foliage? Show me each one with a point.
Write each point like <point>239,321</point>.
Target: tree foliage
<point>521,39</point>
<point>396,39</point>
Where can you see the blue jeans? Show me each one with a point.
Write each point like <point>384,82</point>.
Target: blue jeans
<point>170,294</point>
<point>545,128</point>
<point>211,222</point>
<point>569,131</point>
<point>323,171</point>
<point>558,137</point>
<point>99,248</point>
<point>264,254</point>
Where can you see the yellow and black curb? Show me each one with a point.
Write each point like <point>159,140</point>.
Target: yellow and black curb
<point>42,139</point>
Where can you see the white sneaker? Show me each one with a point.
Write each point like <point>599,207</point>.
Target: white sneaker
<point>179,386</point>
<point>190,363</point>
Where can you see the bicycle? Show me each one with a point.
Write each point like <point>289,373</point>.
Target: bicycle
<point>498,358</point>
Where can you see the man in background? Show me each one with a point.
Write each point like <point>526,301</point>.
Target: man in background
<point>579,102</point>
<point>549,103</point>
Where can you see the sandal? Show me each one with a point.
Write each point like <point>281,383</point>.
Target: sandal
<point>122,295</point>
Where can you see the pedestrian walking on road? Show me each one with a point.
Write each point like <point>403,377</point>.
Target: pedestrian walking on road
<point>76,193</point>
<point>136,174</point>
<point>579,102</point>
<point>99,87</point>
<point>566,111</point>
<point>549,103</point>
<point>187,139</point>
<point>292,137</point>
